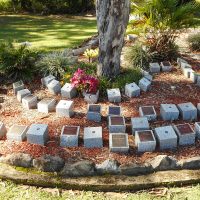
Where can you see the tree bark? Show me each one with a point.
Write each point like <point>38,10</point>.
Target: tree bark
<point>112,20</point>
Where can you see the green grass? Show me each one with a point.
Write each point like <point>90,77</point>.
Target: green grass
<point>47,32</point>
<point>11,191</point>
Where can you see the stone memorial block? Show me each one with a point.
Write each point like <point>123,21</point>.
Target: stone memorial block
<point>145,141</point>
<point>188,72</point>
<point>139,123</point>
<point>166,137</point>
<point>117,124</point>
<point>144,84</point>
<point>91,98</point>
<point>38,134</point>
<point>65,108</point>
<point>3,129</point>
<point>185,66</point>
<point>22,93</point>
<point>69,136</point>
<point>68,91</point>
<point>114,111</point>
<point>17,133</point>
<point>132,90</point>
<point>180,60</point>
<point>154,67</point>
<point>114,95</point>
<point>166,66</point>
<point>94,112</point>
<point>194,76</point>
<point>29,102</point>
<point>149,77</point>
<point>54,87</point>
<point>148,112</point>
<point>188,111</point>
<point>169,112</point>
<point>46,80</point>
<point>197,129</point>
<point>46,105</point>
<point>118,142</point>
<point>93,137</point>
<point>186,135</point>
<point>17,86</point>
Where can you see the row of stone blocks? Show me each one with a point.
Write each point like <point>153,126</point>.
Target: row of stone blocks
<point>165,66</point>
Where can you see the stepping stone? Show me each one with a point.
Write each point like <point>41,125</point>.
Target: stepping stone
<point>118,142</point>
<point>68,91</point>
<point>148,112</point>
<point>166,66</point>
<point>46,105</point>
<point>22,93</point>
<point>94,112</point>
<point>29,102</point>
<point>114,111</point>
<point>3,130</point>
<point>69,136</point>
<point>17,133</point>
<point>188,111</point>
<point>38,134</point>
<point>166,137</point>
<point>65,108</point>
<point>169,112</point>
<point>186,135</point>
<point>145,141</point>
<point>180,60</point>
<point>54,87</point>
<point>93,137</point>
<point>117,124</point>
<point>144,84</point>
<point>154,67</point>
<point>197,129</point>
<point>139,123</point>
<point>114,95</point>
<point>132,90</point>
<point>17,86</point>
<point>46,80</point>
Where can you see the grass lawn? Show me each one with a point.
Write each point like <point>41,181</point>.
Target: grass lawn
<point>47,32</point>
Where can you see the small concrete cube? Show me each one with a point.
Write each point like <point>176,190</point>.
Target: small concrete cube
<point>29,102</point>
<point>118,142</point>
<point>17,133</point>
<point>46,105</point>
<point>139,123</point>
<point>144,73</point>
<point>17,86</point>
<point>166,137</point>
<point>91,98</point>
<point>38,134</point>
<point>65,108</point>
<point>93,137</point>
<point>114,111</point>
<point>166,66</point>
<point>148,112</point>
<point>185,65</point>
<point>114,95</point>
<point>145,141</point>
<point>197,129</point>
<point>154,67</point>
<point>188,72</point>
<point>69,136</point>
<point>22,93</point>
<point>54,87</point>
<point>144,84</point>
<point>149,77</point>
<point>186,135</point>
<point>180,60</point>
<point>3,130</point>
<point>117,124</point>
<point>132,90</point>
<point>68,91</point>
<point>188,111</point>
<point>169,112</point>
<point>94,112</point>
<point>46,80</point>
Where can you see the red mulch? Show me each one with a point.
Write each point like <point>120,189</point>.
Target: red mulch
<point>11,112</point>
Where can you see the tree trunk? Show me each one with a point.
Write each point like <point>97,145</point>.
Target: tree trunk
<point>112,20</point>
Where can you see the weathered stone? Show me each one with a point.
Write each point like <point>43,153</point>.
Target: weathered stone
<point>114,95</point>
<point>54,87</point>
<point>80,168</point>
<point>46,105</point>
<point>179,60</point>
<point>154,67</point>
<point>22,93</point>
<point>46,80</point>
<point>109,166</point>
<point>139,123</point>
<point>190,163</point>
<point>29,102</point>
<point>91,98</point>
<point>17,159</point>
<point>94,112</point>
<point>48,163</point>
<point>17,86</point>
<point>188,72</point>
<point>114,111</point>
<point>164,162</point>
<point>117,124</point>
<point>169,112</point>
<point>132,37</point>
<point>68,91</point>
<point>65,108</point>
<point>166,66</point>
<point>149,112</point>
<point>197,129</point>
<point>132,90</point>
<point>144,84</point>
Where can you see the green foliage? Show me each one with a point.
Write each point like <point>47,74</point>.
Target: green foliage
<point>17,62</point>
<point>194,42</point>
<point>5,5</point>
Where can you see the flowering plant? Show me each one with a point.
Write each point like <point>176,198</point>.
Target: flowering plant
<point>90,54</point>
<point>84,82</point>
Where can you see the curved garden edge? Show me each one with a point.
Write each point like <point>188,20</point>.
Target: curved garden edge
<point>103,183</point>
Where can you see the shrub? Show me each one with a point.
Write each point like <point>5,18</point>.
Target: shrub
<point>6,5</point>
<point>194,42</point>
<point>17,62</point>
